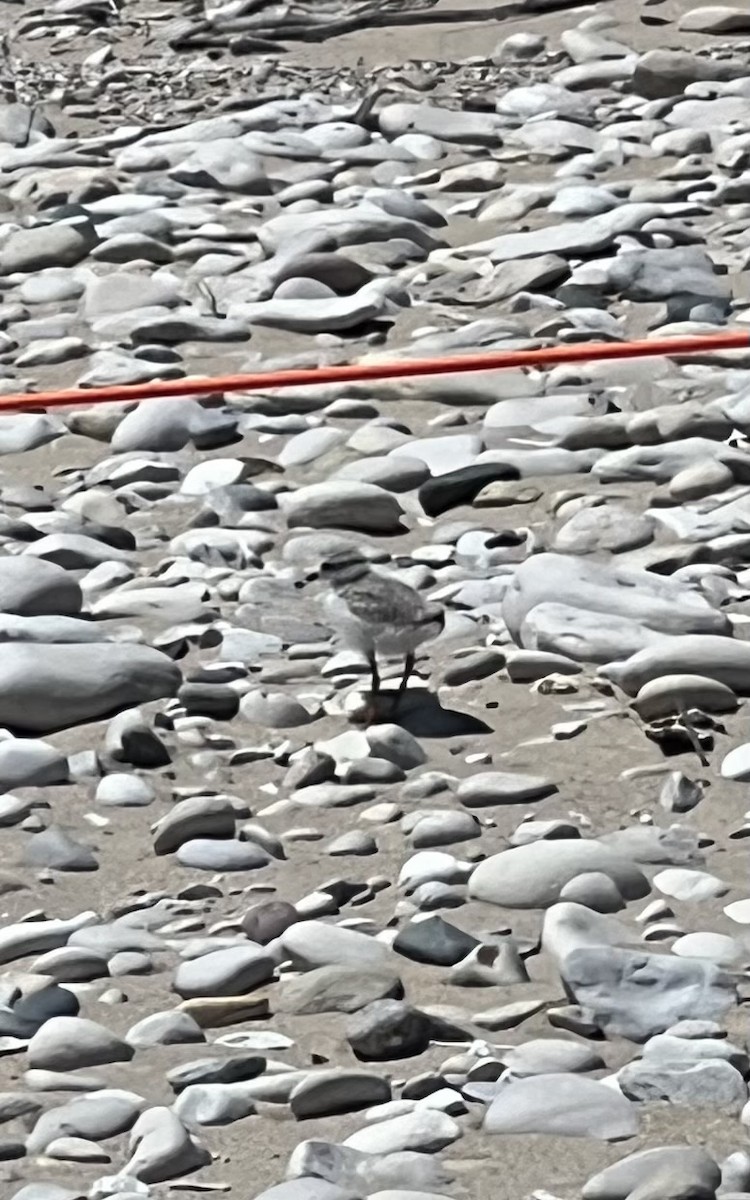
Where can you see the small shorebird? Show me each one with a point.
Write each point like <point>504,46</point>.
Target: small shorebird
<point>377,614</point>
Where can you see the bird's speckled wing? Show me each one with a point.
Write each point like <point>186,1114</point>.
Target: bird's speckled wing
<point>380,601</point>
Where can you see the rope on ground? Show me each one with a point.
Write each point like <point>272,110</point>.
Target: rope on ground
<point>497,360</point>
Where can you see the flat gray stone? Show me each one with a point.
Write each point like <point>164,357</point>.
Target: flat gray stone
<point>712,1084</point>
<point>622,1178</point>
<point>502,787</point>
<point>442,454</point>
<point>214,1103</point>
<point>356,842</point>
<point>229,972</point>
<point>426,1130</point>
<point>120,292</point>
<point>27,431</point>
<point>103,1115</point>
<point>689,886</point>
<point>735,1172</point>
<point>47,687</point>
<point>162,1149</point>
<point>569,239</point>
<point>225,163</point>
<point>207,854</point>
<point>739,911</point>
<point>75,551</point>
<point>715,18</point>
<point>594,890</point>
<point>332,795</point>
<point>321,313</point>
<point>69,1043</point>
<point>603,528</point>
<point>395,745</point>
<point>311,944</point>
<point>684,276</point>
<point>568,632</point>
<point>71,964</point>
<point>36,588</point>
<point>124,791</point>
<point>29,762</point>
<point>46,1191</point>
<point>273,710</point>
<point>359,506</point>
<point>671,694</point>
<point>73,1149</point>
<point>310,445</point>
<point>37,937</point>
<point>199,816</point>
<point>336,988</point>
<point>363,1172</point>
<point>483,129</point>
<point>562,1106</point>
<point>568,926</point>
<point>675,845</point>
<point>172,1028</point>
<point>54,245</point>
<point>661,603</point>
<point>736,764</point>
<point>636,995</point>
<point>660,462</point>
<point>661,73</point>
<point>551,1056</point>
<point>443,828</point>
<point>533,876</point>
<point>689,1042</point>
<point>48,629</point>
<point>717,947</point>
<point>402,474</point>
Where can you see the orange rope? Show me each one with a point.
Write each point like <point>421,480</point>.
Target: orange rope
<point>497,360</point>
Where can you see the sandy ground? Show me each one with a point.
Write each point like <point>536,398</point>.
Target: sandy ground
<point>590,771</point>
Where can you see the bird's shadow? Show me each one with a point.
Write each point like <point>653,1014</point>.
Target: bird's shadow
<point>422,715</point>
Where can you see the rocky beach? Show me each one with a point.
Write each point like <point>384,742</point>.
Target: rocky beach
<point>492,943</point>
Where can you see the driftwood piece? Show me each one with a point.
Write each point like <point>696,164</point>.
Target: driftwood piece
<point>263,24</point>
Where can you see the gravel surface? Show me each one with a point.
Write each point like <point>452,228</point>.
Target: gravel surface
<point>267,930</point>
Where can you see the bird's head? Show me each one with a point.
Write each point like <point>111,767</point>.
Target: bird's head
<point>344,566</point>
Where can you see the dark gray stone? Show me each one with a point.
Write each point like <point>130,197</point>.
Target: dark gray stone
<point>433,940</point>
<point>237,1069</point>
<point>325,1093</point>
<point>267,920</point>
<point>388,1029</point>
